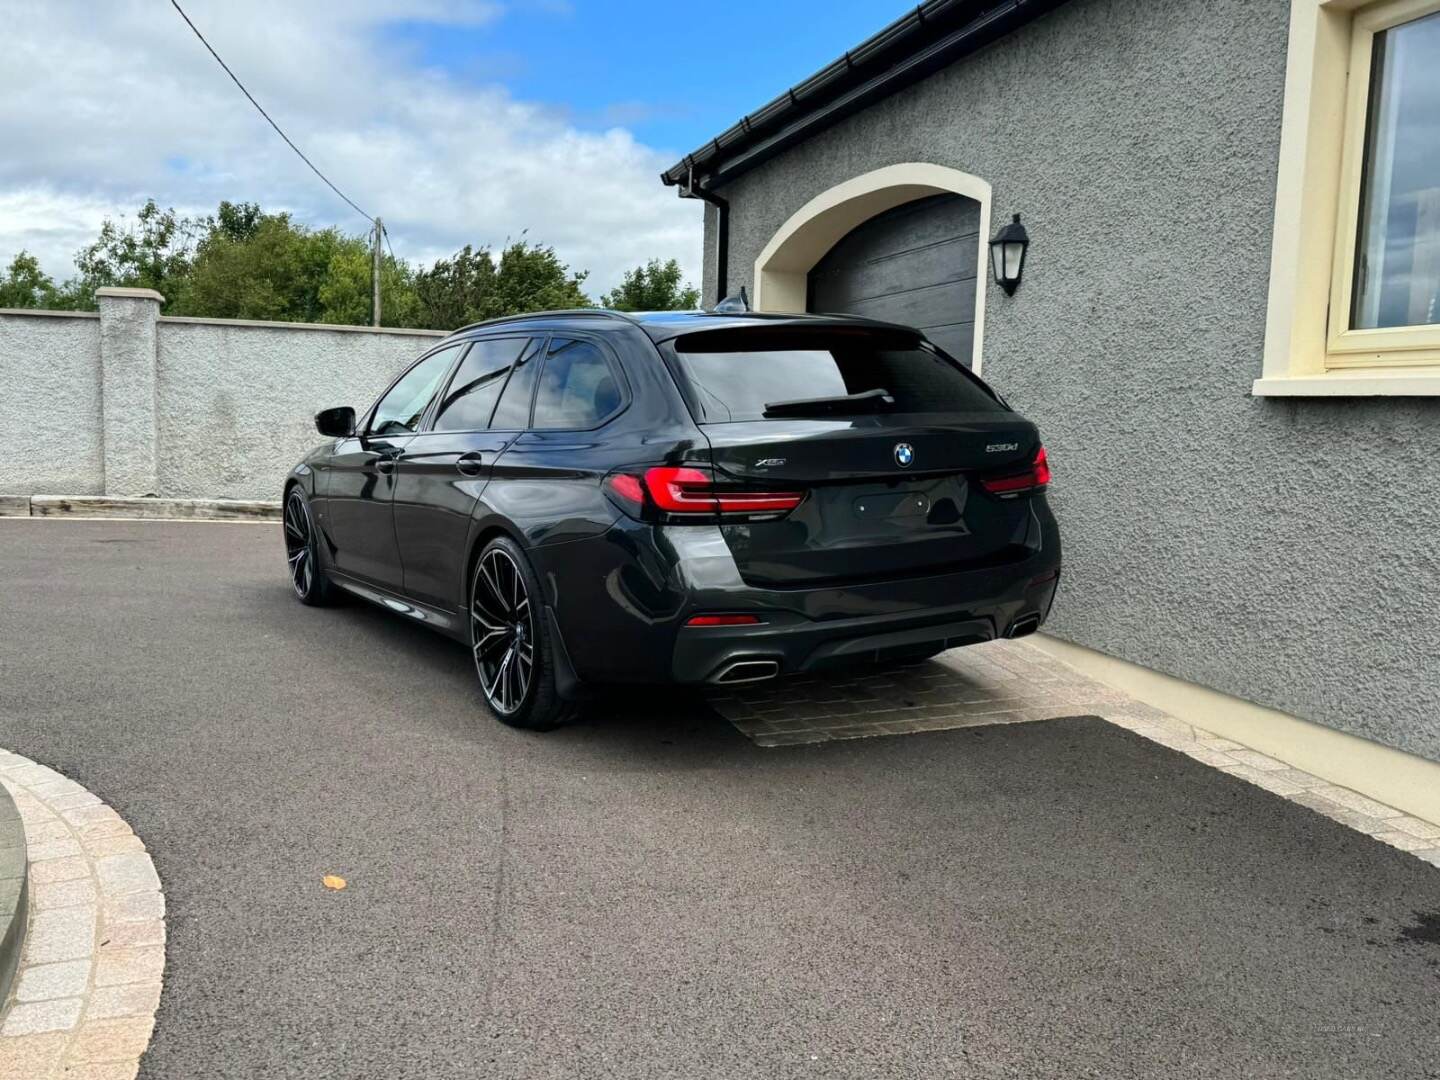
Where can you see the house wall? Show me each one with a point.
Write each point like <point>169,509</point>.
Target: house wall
<point>1281,551</point>
<point>128,403</point>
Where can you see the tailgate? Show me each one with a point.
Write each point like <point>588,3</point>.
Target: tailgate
<point>882,432</point>
<point>865,515</point>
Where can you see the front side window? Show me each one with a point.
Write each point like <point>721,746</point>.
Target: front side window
<point>471,396</point>
<point>401,409</point>
<point>1397,259</point>
<point>577,388</point>
<point>744,375</point>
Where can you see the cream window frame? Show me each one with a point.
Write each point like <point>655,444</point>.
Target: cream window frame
<point>1309,349</point>
<point>1408,345</point>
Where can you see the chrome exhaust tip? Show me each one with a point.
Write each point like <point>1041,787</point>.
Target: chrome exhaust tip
<point>746,671</point>
<point>1023,626</point>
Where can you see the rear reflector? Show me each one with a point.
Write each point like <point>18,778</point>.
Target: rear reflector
<point>722,620</point>
<point>1036,477</point>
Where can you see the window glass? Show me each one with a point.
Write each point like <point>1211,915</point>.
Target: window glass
<point>1397,265</point>
<point>577,388</point>
<point>473,392</point>
<point>400,410</point>
<point>735,375</point>
<point>513,412</point>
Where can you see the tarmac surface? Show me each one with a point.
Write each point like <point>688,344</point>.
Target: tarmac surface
<point>647,894</point>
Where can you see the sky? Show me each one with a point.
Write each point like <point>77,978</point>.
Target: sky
<point>456,121</point>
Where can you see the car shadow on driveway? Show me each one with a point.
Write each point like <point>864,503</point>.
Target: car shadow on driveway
<point>638,719</point>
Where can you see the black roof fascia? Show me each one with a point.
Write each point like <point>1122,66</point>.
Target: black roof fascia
<point>931,37</point>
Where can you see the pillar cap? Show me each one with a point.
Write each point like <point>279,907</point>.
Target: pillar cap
<point>129,294</point>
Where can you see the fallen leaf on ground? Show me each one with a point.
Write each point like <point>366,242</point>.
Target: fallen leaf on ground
<point>333,881</point>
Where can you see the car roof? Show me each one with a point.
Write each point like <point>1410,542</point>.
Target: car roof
<point>665,325</point>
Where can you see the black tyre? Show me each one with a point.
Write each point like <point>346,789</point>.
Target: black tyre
<point>511,640</point>
<point>302,551</point>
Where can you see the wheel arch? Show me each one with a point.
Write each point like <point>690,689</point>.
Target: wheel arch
<point>568,684</point>
<point>481,533</point>
<point>303,477</point>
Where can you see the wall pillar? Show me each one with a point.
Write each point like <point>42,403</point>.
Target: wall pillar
<point>128,359</point>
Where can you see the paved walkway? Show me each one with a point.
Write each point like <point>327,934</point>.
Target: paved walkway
<point>88,984</point>
<point>1010,682</point>
<point>650,894</point>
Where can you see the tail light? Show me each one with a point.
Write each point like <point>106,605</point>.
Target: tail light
<point>1035,478</point>
<point>694,492</point>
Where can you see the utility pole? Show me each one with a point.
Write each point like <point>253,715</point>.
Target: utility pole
<point>375,272</point>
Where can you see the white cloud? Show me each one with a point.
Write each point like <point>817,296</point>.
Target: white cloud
<point>108,104</point>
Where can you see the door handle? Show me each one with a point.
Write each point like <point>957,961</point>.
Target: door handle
<point>470,464</point>
<point>385,465</point>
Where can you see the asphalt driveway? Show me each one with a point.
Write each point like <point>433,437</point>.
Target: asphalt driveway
<point>648,894</point>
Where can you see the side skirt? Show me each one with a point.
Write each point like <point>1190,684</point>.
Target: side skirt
<point>445,622</point>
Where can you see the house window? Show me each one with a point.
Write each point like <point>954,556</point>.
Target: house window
<point>1386,303</point>
<point>1355,271</point>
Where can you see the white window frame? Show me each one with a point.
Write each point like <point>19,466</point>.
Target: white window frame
<point>1310,351</point>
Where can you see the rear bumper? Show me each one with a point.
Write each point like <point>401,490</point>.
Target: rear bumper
<point>622,600</point>
<point>796,643</point>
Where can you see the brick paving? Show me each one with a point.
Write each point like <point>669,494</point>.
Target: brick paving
<point>88,985</point>
<point>1011,682</point>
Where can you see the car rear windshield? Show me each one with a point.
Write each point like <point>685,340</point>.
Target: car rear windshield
<point>734,375</point>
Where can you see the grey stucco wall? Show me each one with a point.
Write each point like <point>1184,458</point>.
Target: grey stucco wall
<point>128,393</point>
<point>1280,551</point>
<point>236,401</point>
<point>50,410</point>
<point>127,403</point>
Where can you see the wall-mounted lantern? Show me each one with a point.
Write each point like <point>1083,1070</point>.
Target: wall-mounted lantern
<point>1007,255</point>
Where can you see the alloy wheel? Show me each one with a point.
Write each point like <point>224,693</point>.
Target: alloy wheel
<point>502,631</point>
<point>298,549</point>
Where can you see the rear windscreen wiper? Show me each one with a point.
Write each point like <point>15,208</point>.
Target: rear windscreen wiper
<point>843,405</point>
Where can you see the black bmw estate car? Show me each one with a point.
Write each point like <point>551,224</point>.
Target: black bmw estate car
<point>588,498</point>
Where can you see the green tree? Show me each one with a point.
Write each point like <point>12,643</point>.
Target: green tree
<point>25,285</point>
<point>244,263</point>
<point>453,289</point>
<point>152,253</point>
<point>260,267</point>
<point>253,265</point>
<point>235,221</point>
<point>652,287</point>
<point>346,295</point>
<point>530,277</point>
<point>472,285</point>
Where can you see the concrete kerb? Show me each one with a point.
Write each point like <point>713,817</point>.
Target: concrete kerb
<point>148,508</point>
<point>14,890</point>
<point>85,992</point>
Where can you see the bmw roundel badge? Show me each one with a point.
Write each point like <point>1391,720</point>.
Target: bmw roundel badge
<point>904,454</point>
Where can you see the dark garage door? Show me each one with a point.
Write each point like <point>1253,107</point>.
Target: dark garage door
<point>914,264</point>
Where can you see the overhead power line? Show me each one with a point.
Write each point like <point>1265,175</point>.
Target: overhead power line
<point>263,113</point>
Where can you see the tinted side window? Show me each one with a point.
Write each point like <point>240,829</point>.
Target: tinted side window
<point>400,410</point>
<point>577,389</point>
<point>473,392</point>
<point>513,412</point>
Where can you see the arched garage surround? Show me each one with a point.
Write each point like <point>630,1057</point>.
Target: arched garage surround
<point>782,268</point>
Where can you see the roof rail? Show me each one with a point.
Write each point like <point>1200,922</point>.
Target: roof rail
<point>609,313</point>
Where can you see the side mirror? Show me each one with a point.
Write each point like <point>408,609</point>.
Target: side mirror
<point>338,423</point>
